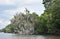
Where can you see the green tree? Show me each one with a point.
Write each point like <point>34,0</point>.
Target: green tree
<point>54,9</point>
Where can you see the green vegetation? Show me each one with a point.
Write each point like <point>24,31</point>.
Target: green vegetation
<point>23,23</point>
<point>54,10</point>
<point>10,29</point>
<point>47,23</point>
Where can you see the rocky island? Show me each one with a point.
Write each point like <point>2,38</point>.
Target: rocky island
<point>31,23</point>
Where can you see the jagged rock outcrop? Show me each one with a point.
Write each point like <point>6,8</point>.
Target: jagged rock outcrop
<point>25,22</point>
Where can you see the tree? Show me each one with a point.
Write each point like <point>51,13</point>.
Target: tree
<point>54,9</point>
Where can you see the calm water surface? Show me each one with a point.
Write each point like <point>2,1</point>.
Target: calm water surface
<point>17,36</point>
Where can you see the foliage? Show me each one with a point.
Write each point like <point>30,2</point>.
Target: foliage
<point>47,23</point>
<point>10,29</point>
<point>54,9</point>
<point>25,23</point>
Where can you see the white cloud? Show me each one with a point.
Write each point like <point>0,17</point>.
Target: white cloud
<point>0,21</point>
<point>4,2</point>
<point>33,1</point>
<point>14,11</point>
<point>21,9</point>
<point>8,2</point>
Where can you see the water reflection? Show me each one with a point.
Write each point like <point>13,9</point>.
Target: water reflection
<point>52,37</point>
<point>17,36</point>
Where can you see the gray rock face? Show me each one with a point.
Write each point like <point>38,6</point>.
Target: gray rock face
<point>26,29</point>
<point>25,23</point>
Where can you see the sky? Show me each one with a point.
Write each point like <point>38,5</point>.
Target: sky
<point>8,8</point>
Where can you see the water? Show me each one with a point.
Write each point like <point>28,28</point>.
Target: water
<point>17,36</point>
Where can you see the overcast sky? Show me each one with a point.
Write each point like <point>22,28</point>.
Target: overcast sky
<point>8,8</point>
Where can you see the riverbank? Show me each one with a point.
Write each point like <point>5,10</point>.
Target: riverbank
<point>45,34</point>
